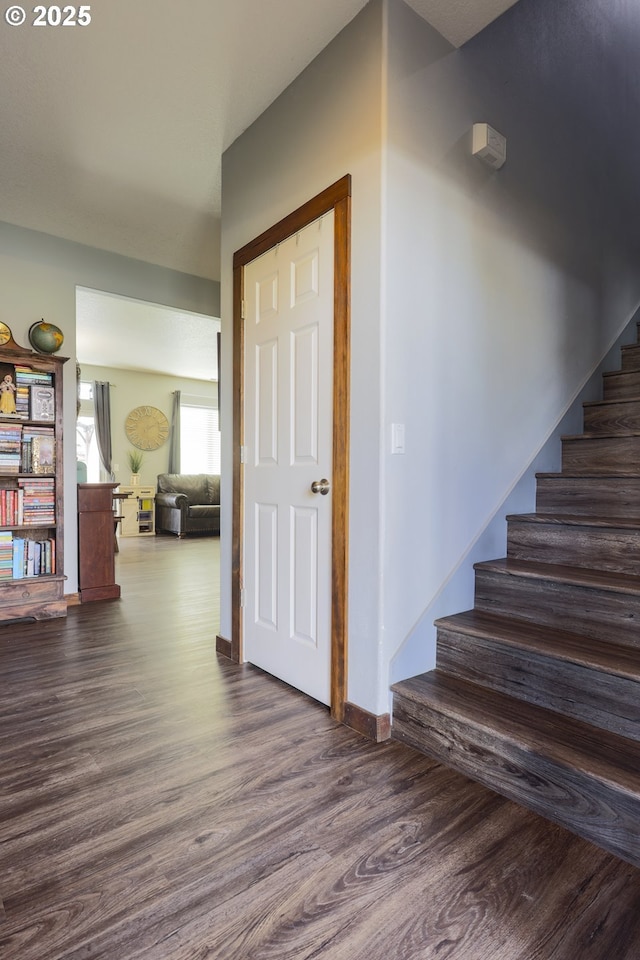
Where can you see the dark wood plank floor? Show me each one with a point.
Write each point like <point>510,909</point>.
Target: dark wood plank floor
<point>159,802</point>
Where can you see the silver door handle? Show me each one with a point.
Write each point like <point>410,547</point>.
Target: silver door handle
<point>321,486</point>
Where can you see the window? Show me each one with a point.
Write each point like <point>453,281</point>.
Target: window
<point>87,447</point>
<point>199,435</point>
<point>86,442</point>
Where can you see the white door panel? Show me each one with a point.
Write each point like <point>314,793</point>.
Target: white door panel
<point>266,594</point>
<point>288,435</point>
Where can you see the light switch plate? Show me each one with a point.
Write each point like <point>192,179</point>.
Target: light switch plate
<point>397,438</point>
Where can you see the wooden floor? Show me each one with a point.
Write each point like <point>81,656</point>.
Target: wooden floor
<point>159,802</point>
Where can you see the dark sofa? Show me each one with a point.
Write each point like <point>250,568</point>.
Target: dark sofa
<point>188,503</point>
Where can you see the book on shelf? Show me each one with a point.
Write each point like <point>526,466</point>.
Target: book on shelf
<point>37,557</point>
<point>28,376</point>
<point>43,458</point>
<point>10,447</point>
<point>42,402</point>
<point>25,457</point>
<point>38,450</point>
<point>27,381</point>
<point>30,558</point>
<point>38,501</point>
<point>11,507</point>
<point>27,449</point>
<point>6,555</point>
<point>18,558</point>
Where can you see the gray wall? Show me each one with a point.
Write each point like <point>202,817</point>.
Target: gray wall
<point>505,289</point>
<point>38,278</point>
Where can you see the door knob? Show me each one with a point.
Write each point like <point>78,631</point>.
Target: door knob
<point>321,486</point>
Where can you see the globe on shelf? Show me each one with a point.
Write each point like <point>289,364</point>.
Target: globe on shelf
<point>45,337</point>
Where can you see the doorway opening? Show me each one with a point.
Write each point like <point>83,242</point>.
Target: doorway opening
<point>153,357</point>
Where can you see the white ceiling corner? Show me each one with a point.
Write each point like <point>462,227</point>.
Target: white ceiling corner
<point>459,20</point>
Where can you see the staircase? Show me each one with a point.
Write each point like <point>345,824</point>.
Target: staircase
<point>536,691</point>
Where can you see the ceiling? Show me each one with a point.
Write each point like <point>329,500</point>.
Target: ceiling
<point>112,133</point>
<point>156,339</point>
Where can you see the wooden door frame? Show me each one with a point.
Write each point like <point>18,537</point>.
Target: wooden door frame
<point>337,198</point>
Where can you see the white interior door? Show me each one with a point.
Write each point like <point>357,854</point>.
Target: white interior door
<point>288,429</point>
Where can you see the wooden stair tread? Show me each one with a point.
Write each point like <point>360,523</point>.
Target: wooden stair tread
<point>570,475</point>
<point>590,435</point>
<point>592,751</point>
<point>548,641</point>
<point>575,576</point>
<point>607,403</point>
<point>577,520</point>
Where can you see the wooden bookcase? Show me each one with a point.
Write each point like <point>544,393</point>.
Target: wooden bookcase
<point>31,487</point>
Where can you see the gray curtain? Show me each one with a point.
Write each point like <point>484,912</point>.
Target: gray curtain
<point>102,402</point>
<point>174,443</point>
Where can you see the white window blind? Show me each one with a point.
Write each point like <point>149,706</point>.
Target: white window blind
<point>199,435</point>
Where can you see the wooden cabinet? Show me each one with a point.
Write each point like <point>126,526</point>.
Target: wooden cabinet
<point>96,542</point>
<point>31,485</point>
<point>138,511</point>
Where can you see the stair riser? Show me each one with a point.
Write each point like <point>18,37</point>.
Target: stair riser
<point>602,455</point>
<point>593,548</point>
<point>631,357</point>
<point>593,810</point>
<point>612,418</point>
<point>600,614</point>
<point>603,699</point>
<point>587,497</point>
<point>621,386</point>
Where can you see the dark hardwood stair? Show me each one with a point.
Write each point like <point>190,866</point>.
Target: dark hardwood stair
<point>571,772</point>
<point>585,495</point>
<point>593,603</point>
<point>612,416</point>
<point>619,454</point>
<point>600,543</point>
<point>536,691</point>
<point>631,356</point>
<point>621,385</point>
<point>570,674</point>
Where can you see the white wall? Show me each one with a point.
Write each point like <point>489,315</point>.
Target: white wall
<point>38,278</point>
<point>133,388</point>
<point>325,125</point>
<point>499,302</point>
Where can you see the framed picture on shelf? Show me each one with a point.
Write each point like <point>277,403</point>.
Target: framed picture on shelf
<point>43,403</point>
<point>43,459</point>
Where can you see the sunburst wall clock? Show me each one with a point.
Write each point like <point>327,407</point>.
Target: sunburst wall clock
<point>146,428</point>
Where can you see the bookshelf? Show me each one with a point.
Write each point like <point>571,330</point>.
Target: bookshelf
<point>138,511</point>
<point>31,485</point>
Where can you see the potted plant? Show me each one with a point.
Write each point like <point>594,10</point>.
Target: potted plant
<point>135,458</point>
